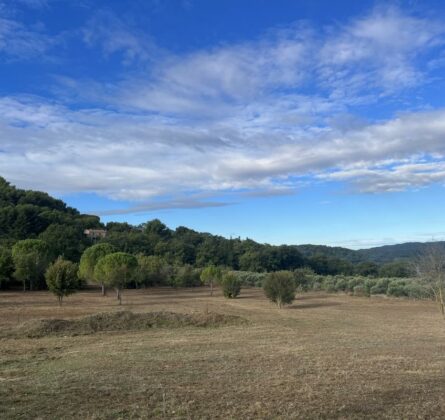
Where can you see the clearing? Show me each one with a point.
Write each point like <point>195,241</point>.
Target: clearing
<point>325,356</point>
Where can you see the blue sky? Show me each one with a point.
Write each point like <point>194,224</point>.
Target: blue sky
<point>285,121</point>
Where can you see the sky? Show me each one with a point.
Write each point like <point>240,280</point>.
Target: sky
<point>283,121</point>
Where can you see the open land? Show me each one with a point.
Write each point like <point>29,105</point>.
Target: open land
<point>324,356</point>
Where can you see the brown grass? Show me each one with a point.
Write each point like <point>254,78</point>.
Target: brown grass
<point>325,356</point>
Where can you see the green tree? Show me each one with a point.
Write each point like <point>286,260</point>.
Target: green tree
<point>64,240</point>
<point>61,278</point>
<point>152,270</point>
<point>211,275</point>
<point>30,258</point>
<point>88,262</point>
<point>279,287</point>
<point>367,268</point>
<point>6,266</point>
<point>231,285</point>
<point>116,270</point>
<point>396,269</point>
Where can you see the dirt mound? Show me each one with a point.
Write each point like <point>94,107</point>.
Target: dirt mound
<point>122,321</point>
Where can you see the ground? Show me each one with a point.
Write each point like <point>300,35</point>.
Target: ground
<point>325,356</point>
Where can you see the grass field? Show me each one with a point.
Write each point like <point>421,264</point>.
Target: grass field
<point>325,356</point>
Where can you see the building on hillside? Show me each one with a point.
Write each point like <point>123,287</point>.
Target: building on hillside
<point>95,234</point>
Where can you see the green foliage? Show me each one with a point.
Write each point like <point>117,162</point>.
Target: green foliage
<point>89,259</point>
<point>279,287</point>
<point>211,275</point>
<point>250,278</point>
<point>186,276</point>
<point>367,268</point>
<point>6,266</point>
<point>116,270</point>
<point>31,259</point>
<point>395,269</point>
<point>231,285</point>
<point>61,278</point>
<point>152,270</point>
<point>67,241</point>
<point>303,278</point>
<point>397,288</point>
<point>380,287</point>
<point>360,290</point>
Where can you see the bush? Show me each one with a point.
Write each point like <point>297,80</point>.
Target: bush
<point>380,287</point>
<point>279,287</point>
<point>231,285</point>
<point>396,288</point>
<point>61,278</point>
<point>341,285</point>
<point>304,278</point>
<point>360,290</point>
<point>328,284</point>
<point>416,291</point>
<point>250,278</point>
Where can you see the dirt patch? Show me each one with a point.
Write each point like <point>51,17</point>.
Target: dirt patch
<point>121,321</point>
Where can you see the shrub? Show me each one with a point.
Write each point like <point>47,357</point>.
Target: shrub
<point>396,288</point>
<point>61,278</point>
<point>279,287</point>
<point>328,284</point>
<point>231,285</point>
<point>304,278</point>
<point>360,290</point>
<point>416,291</point>
<point>341,285</point>
<point>380,287</point>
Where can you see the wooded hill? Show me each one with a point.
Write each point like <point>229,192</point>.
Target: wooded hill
<point>32,214</point>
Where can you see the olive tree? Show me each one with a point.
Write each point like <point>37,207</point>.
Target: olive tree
<point>430,267</point>
<point>88,262</point>
<point>279,287</point>
<point>231,285</point>
<point>31,259</point>
<point>116,270</point>
<point>211,275</point>
<point>61,278</point>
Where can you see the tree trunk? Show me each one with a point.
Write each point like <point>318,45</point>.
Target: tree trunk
<point>104,293</point>
<point>211,288</point>
<point>119,297</point>
<point>60,300</point>
<point>24,285</point>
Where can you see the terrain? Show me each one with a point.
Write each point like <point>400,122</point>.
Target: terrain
<point>324,356</point>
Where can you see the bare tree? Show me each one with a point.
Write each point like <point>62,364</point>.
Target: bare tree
<point>430,268</point>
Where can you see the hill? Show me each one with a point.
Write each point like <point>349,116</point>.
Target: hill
<point>33,214</point>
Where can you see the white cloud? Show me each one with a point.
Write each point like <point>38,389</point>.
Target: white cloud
<point>252,116</point>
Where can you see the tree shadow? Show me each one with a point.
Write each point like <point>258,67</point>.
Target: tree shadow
<point>310,305</point>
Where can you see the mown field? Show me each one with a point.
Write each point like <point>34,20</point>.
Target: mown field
<point>325,356</point>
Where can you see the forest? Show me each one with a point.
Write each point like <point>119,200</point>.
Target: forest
<point>34,215</point>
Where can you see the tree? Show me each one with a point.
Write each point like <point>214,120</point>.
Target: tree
<point>279,287</point>
<point>88,262</point>
<point>61,278</point>
<point>6,266</point>
<point>395,269</point>
<point>430,267</point>
<point>211,275</point>
<point>30,258</point>
<point>231,285</point>
<point>367,268</point>
<point>64,240</point>
<point>116,270</point>
<point>152,270</point>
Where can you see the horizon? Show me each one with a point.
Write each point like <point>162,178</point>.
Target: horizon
<point>314,123</point>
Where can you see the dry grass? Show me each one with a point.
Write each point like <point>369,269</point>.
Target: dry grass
<point>326,356</point>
